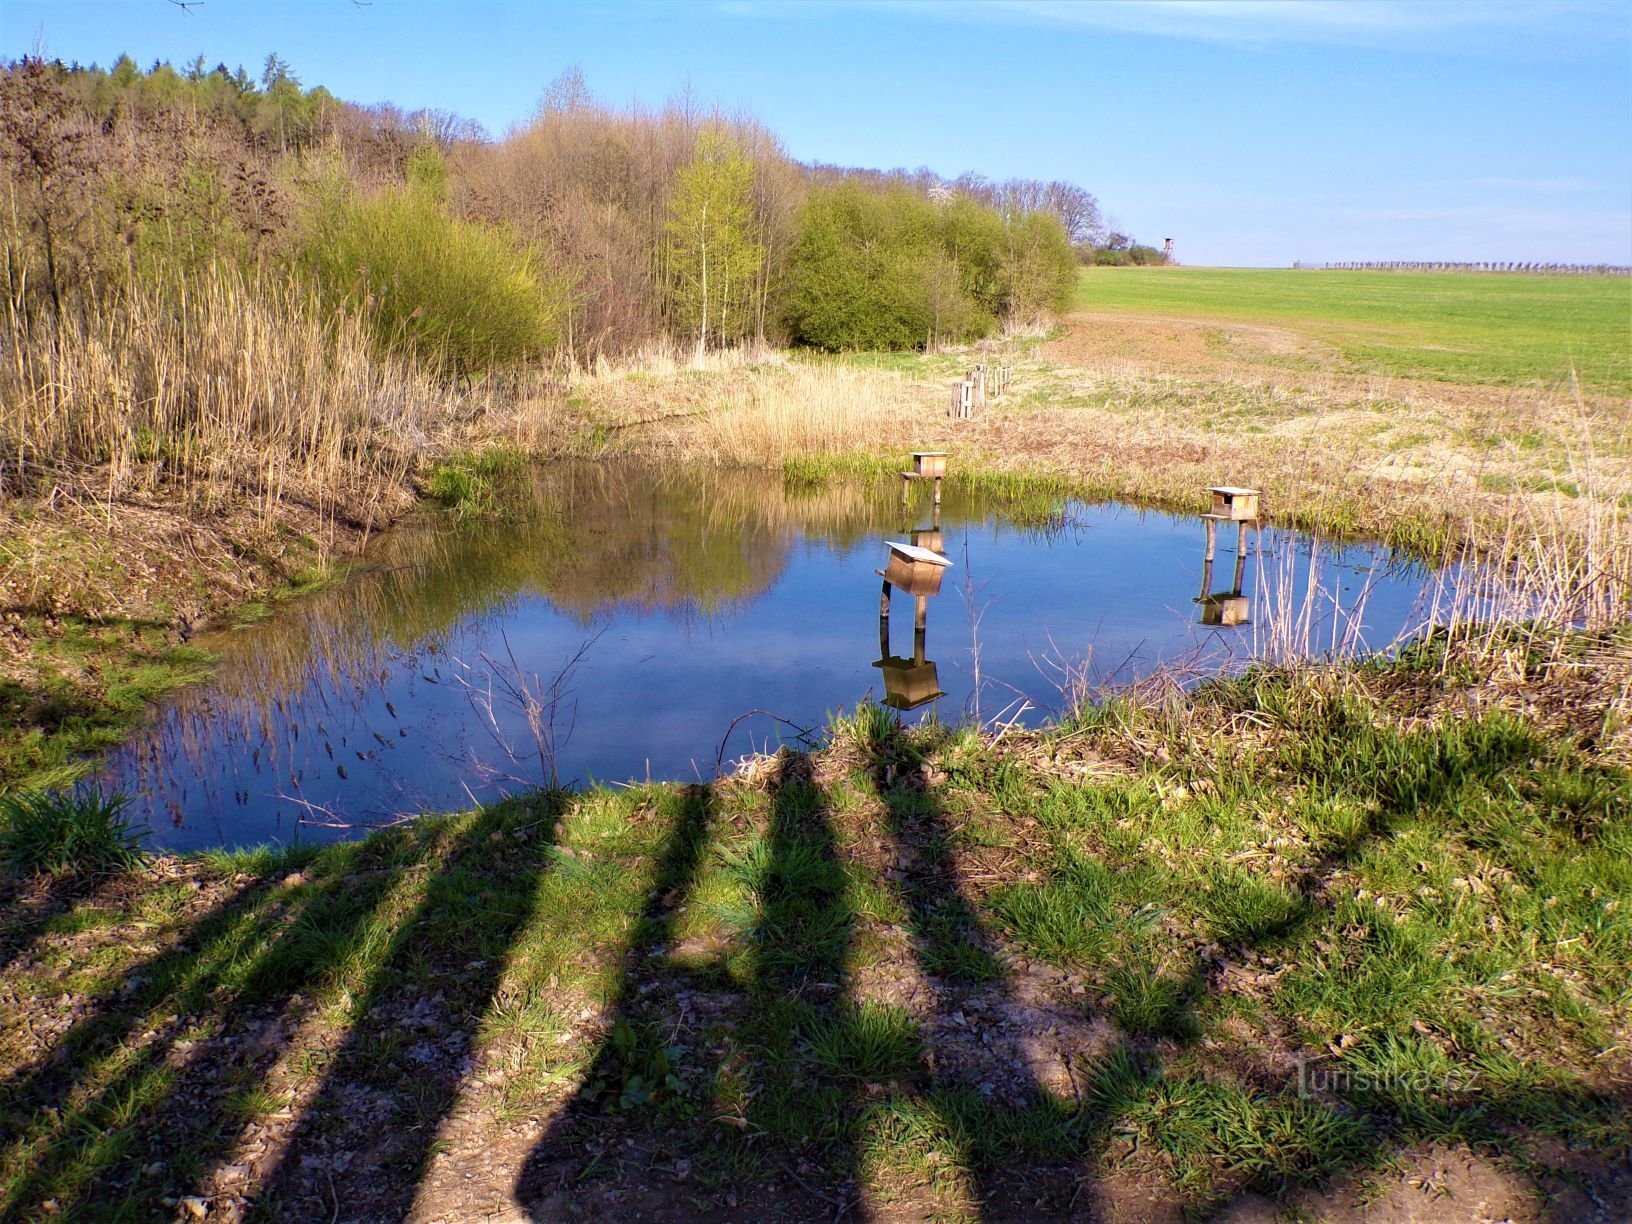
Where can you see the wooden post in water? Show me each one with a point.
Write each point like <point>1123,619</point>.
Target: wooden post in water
<point>884,621</point>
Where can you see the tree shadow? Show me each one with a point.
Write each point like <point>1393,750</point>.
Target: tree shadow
<point>364,1137</point>
<point>712,1072</point>
<point>81,1118</point>
<point>28,907</point>
<point>166,1077</point>
<point>999,1057</point>
<point>635,1063</point>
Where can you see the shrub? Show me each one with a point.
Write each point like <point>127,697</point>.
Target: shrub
<point>891,269</point>
<point>869,271</point>
<point>460,295</point>
<point>42,833</point>
<point>1039,267</point>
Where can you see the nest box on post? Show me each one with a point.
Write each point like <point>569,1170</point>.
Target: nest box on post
<point>1233,504</point>
<point>929,465</point>
<point>915,570</point>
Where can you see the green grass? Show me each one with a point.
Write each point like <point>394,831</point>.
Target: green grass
<point>85,687</point>
<point>1300,957</point>
<point>1460,327</point>
<point>477,482</point>
<point>67,834</point>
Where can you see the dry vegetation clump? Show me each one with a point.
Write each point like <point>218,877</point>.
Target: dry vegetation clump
<point>224,389</point>
<point>215,436</point>
<point>754,409</point>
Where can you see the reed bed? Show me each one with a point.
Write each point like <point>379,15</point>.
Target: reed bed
<point>229,385</point>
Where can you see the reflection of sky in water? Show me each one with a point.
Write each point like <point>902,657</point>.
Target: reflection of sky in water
<point>356,704</point>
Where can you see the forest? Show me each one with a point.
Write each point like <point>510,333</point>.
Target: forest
<point>582,233</point>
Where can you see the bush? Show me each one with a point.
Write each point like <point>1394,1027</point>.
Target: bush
<point>67,834</point>
<point>1039,267</point>
<point>891,269</point>
<point>870,271</point>
<point>460,295</point>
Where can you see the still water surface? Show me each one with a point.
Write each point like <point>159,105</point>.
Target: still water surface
<point>621,623</point>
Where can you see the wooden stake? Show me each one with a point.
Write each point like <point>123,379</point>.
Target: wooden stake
<point>884,621</point>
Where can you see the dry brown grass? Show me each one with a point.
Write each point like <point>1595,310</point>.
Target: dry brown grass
<point>731,409</point>
<point>210,435</point>
<point>1425,466</point>
<point>224,387</point>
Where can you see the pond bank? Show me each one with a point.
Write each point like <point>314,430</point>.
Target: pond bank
<point>1301,942</point>
<point>103,598</point>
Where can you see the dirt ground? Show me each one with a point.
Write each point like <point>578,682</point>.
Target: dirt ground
<point>1283,357</point>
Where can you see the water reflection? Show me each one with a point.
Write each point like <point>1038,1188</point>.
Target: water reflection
<point>917,570</point>
<point>1225,609</point>
<point>625,617</point>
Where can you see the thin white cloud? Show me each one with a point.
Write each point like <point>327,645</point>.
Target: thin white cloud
<point>1237,22</point>
<point>1534,186</point>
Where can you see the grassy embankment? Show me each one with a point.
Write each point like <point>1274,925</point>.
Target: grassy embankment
<point>929,969</point>
<point>917,972</point>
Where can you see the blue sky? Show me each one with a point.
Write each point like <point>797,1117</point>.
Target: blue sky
<point>1253,132</point>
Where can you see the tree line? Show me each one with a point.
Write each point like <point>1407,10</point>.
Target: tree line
<point>584,233</point>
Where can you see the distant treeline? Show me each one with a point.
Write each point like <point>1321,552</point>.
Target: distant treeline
<point>583,233</point>
<point>1537,269</point>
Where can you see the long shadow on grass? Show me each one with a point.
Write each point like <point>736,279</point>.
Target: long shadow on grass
<point>27,908</point>
<point>809,1049</point>
<point>139,1083</point>
<point>997,1088</point>
<point>714,1079</point>
<point>1261,1123</point>
<point>360,1145</point>
<point>633,1066</point>
<point>170,1076</point>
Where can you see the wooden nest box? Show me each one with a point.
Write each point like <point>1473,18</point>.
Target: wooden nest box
<point>1225,611</point>
<point>1234,504</point>
<point>909,683</point>
<point>915,570</point>
<point>928,465</point>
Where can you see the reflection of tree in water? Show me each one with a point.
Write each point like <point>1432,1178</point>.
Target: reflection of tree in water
<point>589,539</point>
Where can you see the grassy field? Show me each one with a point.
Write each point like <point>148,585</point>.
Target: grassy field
<point>1288,945</point>
<point>1488,328</point>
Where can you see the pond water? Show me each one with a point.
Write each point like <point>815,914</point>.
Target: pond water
<point>624,621</point>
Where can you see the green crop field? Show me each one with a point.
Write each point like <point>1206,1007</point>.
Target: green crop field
<point>1514,330</point>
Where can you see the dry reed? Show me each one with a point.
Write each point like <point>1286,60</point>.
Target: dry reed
<point>225,388</point>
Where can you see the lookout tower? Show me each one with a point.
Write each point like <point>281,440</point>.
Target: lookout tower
<point>1167,250</point>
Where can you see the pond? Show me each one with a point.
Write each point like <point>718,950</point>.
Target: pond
<point>627,622</point>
